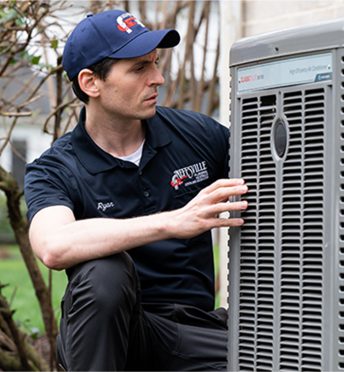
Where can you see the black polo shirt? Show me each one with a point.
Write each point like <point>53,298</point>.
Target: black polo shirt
<point>183,152</point>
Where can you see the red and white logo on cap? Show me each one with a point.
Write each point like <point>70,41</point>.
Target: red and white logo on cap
<point>126,21</point>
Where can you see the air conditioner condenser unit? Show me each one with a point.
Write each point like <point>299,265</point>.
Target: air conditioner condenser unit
<point>286,264</point>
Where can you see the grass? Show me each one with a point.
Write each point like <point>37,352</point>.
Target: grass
<point>216,252</point>
<point>20,292</point>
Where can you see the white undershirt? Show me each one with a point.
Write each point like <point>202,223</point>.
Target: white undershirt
<point>134,157</point>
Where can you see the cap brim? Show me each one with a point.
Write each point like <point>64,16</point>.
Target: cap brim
<point>145,42</point>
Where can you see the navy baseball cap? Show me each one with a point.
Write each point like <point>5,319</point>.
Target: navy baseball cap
<point>114,34</point>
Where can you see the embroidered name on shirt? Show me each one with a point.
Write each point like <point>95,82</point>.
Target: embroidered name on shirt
<point>104,206</point>
<point>189,175</point>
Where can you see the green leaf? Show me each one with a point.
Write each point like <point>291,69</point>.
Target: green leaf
<point>35,60</point>
<point>54,43</point>
<point>20,21</point>
<point>9,15</point>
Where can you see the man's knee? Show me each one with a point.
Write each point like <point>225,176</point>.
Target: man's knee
<point>106,282</point>
<point>99,304</point>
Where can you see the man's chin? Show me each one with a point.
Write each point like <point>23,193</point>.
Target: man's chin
<point>148,113</point>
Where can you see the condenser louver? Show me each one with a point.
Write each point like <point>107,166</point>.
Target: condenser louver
<point>286,264</point>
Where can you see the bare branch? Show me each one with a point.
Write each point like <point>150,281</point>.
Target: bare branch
<point>6,313</point>
<point>7,139</point>
<point>54,113</point>
<point>213,101</point>
<point>187,53</point>
<point>142,9</point>
<point>199,91</point>
<point>127,5</point>
<point>18,114</point>
<point>29,30</point>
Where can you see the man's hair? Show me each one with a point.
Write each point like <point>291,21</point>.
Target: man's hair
<point>101,70</point>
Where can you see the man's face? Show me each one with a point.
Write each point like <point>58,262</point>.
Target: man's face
<point>130,90</point>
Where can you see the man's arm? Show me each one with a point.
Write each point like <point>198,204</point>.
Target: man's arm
<point>60,241</point>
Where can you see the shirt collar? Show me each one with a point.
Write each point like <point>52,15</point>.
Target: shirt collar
<point>96,160</point>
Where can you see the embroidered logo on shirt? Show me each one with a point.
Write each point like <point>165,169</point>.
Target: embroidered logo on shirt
<point>104,206</point>
<point>189,175</point>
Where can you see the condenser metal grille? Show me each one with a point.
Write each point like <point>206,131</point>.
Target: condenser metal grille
<point>282,242</point>
<point>302,240</point>
<point>257,245</point>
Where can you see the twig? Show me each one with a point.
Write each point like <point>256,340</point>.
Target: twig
<point>187,52</point>
<point>15,114</point>
<point>58,113</point>
<point>200,90</point>
<point>18,340</point>
<point>214,80</point>
<point>14,122</point>
<point>60,107</point>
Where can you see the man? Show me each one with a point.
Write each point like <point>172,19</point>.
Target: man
<point>125,203</point>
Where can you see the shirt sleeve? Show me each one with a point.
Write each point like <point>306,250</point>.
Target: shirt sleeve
<point>46,185</point>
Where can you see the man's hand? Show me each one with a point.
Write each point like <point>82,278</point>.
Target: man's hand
<point>202,212</point>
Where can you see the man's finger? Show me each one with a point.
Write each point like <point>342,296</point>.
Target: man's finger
<point>228,222</point>
<point>229,207</point>
<point>225,182</point>
<point>224,193</point>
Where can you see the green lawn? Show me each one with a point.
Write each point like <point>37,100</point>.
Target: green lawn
<point>20,293</point>
<point>216,252</point>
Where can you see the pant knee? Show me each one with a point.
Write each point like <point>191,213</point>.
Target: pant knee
<point>106,282</point>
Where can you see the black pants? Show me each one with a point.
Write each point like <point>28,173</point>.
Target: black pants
<point>104,326</point>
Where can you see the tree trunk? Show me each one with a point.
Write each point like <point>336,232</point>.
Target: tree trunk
<point>20,228</point>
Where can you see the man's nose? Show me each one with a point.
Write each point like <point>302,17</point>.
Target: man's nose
<point>157,78</point>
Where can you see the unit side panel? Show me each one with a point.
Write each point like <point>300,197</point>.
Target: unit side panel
<point>235,303</point>
<point>338,259</point>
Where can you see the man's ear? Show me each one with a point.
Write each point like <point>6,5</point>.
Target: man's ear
<point>88,82</point>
